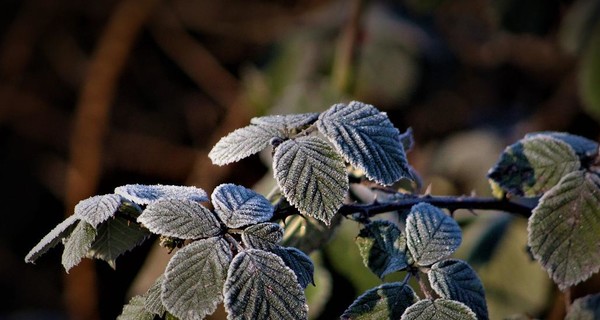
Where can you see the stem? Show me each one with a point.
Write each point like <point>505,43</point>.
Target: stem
<point>424,288</point>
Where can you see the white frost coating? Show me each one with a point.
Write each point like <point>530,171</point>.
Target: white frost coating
<point>53,238</point>
<point>242,143</point>
<point>238,206</point>
<point>97,209</point>
<point>146,194</point>
<point>286,123</point>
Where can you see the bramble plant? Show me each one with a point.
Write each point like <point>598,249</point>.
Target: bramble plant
<point>233,253</point>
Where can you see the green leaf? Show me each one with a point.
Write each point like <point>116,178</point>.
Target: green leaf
<point>97,209</point>
<point>586,308</point>
<point>312,176</point>
<point>242,143</point>
<point>135,310</point>
<point>366,139</point>
<point>288,125</point>
<point>194,278</point>
<point>589,74</point>
<point>584,148</point>
<point>180,218</point>
<point>114,238</point>
<point>387,301</point>
<point>147,194</point>
<point>238,206</point>
<point>264,236</point>
<point>431,234</point>
<point>456,280</point>
<point>299,262</point>
<point>532,166</point>
<point>382,247</point>
<point>563,229</point>
<point>153,302</point>
<point>54,237</point>
<point>78,244</point>
<point>439,309</point>
<point>260,286</point>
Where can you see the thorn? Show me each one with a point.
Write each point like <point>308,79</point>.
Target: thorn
<point>473,193</point>
<point>428,190</point>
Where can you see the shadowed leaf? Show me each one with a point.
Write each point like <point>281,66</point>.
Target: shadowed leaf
<point>135,310</point>
<point>238,206</point>
<point>382,247</point>
<point>439,309</point>
<point>78,244</point>
<point>387,301</point>
<point>299,262</point>
<point>586,308</point>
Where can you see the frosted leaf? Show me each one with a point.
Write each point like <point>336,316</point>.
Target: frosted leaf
<point>97,209</point>
<point>387,301</point>
<point>366,139</point>
<point>264,236</point>
<point>407,140</point>
<point>563,229</point>
<point>312,176</point>
<point>289,124</point>
<point>194,278</point>
<point>242,143</point>
<point>54,237</point>
<point>147,194</point>
<point>431,234</point>
<point>586,308</point>
<point>583,147</point>
<point>78,244</point>
<point>135,310</point>
<point>299,262</point>
<point>153,303</point>
<point>183,219</point>
<point>382,247</point>
<point>456,280</point>
<point>532,166</point>
<point>115,237</point>
<point>439,309</point>
<point>260,286</point>
<point>237,206</point>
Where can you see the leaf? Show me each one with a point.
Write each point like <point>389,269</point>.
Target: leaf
<point>289,124</point>
<point>299,262</point>
<point>456,280</point>
<point>532,166</point>
<point>439,309</point>
<point>152,302</point>
<point>387,301</point>
<point>260,286</point>
<point>366,139</point>
<point>431,234</point>
<point>135,310</point>
<point>194,278</point>
<point>78,244</point>
<point>586,308</point>
<point>583,147</point>
<point>264,236</point>
<point>147,194</point>
<point>382,247</point>
<point>114,238</point>
<point>54,237</point>
<point>97,209</point>
<point>238,206</point>
<point>179,218</point>
<point>242,143</point>
<point>312,176</point>
<point>407,140</point>
<point>563,229</point>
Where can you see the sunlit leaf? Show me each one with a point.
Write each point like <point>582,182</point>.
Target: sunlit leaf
<point>147,194</point>
<point>153,302</point>
<point>382,247</point>
<point>456,280</point>
<point>312,176</point>
<point>264,236</point>
<point>184,219</point>
<point>135,310</point>
<point>194,278</point>
<point>260,286</point>
<point>583,147</point>
<point>366,139</point>
<point>563,229</point>
<point>299,262</point>
<point>288,124</point>
<point>97,209</point>
<point>387,301</point>
<point>54,237</point>
<point>431,234</point>
<point>115,237</point>
<point>586,308</point>
<point>78,244</point>
<point>532,166</point>
<point>439,309</point>
<point>238,206</point>
<point>242,143</point>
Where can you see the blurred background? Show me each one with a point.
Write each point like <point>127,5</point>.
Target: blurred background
<point>97,94</point>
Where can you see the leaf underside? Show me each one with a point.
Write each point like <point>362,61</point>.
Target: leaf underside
<point>312,176</point>
<point>147,194</point>
<point>194,278</point>
<point>366,139</point>
<point>431,234</point>
<point>242,143</point>
<point>382,247</point>
<point>97,209</point>
<point>586,308</point>
<point>456,280</point>
<point>260,286</point>
<point>78,244</point>
<point>54,237</point>
<point>299,262</point>
<point>563,229</point>
<point>439,309</point>
<point>387,301</point>
<point>238,206</point>
<point>264,236</point>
